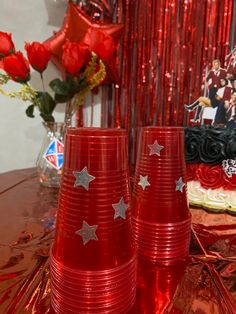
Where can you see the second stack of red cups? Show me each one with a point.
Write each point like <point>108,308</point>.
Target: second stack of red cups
<point>93,267</point>
<point>161,217</point>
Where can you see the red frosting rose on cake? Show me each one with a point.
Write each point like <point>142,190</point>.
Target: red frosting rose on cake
<point>210,176</point>
<point>191,172</point>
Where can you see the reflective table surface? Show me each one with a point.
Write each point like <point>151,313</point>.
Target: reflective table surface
<point>205,283</point>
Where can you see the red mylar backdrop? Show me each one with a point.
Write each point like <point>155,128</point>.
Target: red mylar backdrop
<point>167,48</point>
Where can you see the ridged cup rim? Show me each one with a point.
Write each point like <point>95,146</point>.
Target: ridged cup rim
<point>162,128</point>
<point>96,132</point>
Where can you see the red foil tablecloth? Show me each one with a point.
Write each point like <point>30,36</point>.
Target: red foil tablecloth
<point>205,284</point>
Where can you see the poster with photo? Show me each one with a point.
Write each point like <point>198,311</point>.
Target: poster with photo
<point>218,102</point>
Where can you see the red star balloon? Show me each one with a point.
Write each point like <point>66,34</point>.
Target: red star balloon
<point>77,26</point>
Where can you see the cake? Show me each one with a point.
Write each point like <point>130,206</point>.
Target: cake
<point>211,168</point>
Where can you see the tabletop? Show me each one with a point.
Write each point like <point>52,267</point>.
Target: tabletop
<point>205,283</point>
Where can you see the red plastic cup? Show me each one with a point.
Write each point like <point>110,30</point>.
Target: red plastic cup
<point>157,286</point>
<point>93,260</point>
<point>89,146</point>
<point>161,217</point>
<point>93,291</point>
<point>108,188</point>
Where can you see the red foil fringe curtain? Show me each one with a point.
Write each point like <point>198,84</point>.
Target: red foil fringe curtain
<point>167,50</point>
<point>168,47</point>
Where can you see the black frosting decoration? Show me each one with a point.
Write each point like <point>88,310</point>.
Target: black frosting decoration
<point>206,144</point>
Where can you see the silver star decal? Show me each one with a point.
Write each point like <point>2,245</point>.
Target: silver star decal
<point>87,232</point>
<point>83,178</point>
<point>155,148</point>
<point>179,185</point>
<point>143,181</point>
<point>120,209</point>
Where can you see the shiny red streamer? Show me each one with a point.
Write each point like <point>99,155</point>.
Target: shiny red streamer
<point>166,51</point>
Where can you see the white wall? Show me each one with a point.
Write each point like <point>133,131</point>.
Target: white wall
<point>21,137</point>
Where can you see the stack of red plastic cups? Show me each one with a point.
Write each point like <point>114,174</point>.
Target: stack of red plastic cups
<point>161,217</point>
<point>93,264</point>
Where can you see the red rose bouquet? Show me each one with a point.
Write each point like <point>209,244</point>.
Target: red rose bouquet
<point>83,66</point>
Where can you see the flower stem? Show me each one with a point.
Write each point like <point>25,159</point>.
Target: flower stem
<point>41,75</point>
<point>69,113</point>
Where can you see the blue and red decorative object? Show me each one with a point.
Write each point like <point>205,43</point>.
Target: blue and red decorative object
<point>55,154</point>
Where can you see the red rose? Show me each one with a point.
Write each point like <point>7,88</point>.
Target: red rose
<point>102,44</point>
<point>38,55</point>
<point>17,67</point>
<point>6,45</point>
<point>75,56</point>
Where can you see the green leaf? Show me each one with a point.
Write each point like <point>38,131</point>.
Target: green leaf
<point>45,103</point>
<point>62,98</point>
<point>60,87</point>
<point>47,117</point>
<point>83,83</point>
<point>75,85</point>
<point>30,111</point>
<point>65,90</point>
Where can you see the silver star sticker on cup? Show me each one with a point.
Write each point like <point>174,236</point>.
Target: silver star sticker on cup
<point>143,182</point>
<point>155,149</point>
<point>179,185</point>
<point>83,178</point>
<point>120,209</point>
<point>87,232</point>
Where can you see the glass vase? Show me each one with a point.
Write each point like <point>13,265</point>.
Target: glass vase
<point>50,158</point>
